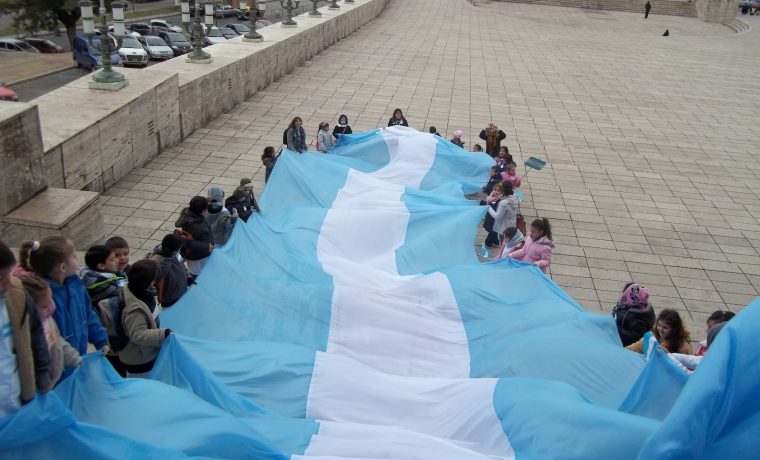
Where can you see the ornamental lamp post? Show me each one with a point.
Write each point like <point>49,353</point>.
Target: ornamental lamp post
<point>197,56</point>
<point>253,36</point>
<point>314,13</point>
<point>334,5</point>
<point>106,78</point>
<point>288,6</point>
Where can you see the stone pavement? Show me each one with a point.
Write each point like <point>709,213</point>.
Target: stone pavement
<point>651,141</point>
<point>19,67</point>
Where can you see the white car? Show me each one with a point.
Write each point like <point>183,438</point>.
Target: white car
<point>164,25</point>
<point>132,53</point>
<point>156,47</point>
<point>128,32</point>
<point>213,36</point>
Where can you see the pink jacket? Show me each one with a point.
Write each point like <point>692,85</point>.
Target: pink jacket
<point>538,252</point>
<point>516,182</point>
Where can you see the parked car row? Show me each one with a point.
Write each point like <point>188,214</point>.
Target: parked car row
<point>29,45</point>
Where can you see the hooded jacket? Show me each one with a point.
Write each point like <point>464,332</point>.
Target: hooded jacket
<point>505,215</point>
<point>77,321</point>
<point>633,321</point>
<point>220,221</point>
<point>515,243</point>
<point>537,252</point>
<point>145,337</point>
<point>339,130</point>
<point>197,226</point>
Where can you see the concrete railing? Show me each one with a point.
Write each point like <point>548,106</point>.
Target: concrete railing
<point>85,140</point>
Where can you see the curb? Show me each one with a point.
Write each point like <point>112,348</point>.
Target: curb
<point>39,75</point>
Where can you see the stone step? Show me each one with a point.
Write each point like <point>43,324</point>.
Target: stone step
<point>737,25</point>
<point>660,7</point>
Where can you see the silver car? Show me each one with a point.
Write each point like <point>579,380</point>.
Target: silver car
<point>156,47</point>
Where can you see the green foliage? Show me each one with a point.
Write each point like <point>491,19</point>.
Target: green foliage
<point>35,16</point>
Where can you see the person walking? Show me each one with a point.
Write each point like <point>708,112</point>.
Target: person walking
<point>647,9</point>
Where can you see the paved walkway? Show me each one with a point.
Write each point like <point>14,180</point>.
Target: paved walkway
<point>652,141</point>
<point>19,67</point>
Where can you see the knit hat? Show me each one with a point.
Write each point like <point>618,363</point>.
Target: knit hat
<point>458,133</point>
<point>635,295</point>
<point>216,193</point>
<point>244,181</point>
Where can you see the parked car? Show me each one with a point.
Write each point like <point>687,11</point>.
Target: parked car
<point>88,56</point>
<point>241,29</point>
<point>141,28</point>
<point>7,94</point>
<point>213,36</point>
<point>222,11</point>
<point>44,45</point>
<point>132,53</point>
<point>16,45</point>
<point>129,33</point>
<point>245,13</point>
<point>228,33</point>
<point>156,48</point>
<point>164,25</point>
<point>177,42</point>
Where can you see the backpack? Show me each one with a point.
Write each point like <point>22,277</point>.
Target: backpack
<point>110,317</point>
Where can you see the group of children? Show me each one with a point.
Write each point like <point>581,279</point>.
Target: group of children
<point>52,309</point>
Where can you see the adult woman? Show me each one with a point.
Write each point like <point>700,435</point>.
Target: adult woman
<point>670,332</point>
<point>140,320</point>
<point>342,127</point>
<point>493,137</point>
<point>398,119</point>
<point>296,136</point>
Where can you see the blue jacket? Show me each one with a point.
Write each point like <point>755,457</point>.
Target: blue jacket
<point>75,317</point>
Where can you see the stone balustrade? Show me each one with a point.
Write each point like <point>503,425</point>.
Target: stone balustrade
<point>73,142</point>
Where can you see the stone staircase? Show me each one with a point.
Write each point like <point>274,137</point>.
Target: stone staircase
<point>737,25</point>
<point>659,7</point>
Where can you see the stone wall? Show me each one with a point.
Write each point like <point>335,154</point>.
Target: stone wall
<point>91,139</point>
<point>21,175</point>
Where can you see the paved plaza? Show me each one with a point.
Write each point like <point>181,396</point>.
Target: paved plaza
<point>651,141</point>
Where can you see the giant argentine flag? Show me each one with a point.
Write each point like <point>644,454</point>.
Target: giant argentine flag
<point>353,320</point>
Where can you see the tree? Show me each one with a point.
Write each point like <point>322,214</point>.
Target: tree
<point>35,16</point>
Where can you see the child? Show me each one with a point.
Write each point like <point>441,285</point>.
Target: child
<point>496,194</point>
<point>717,317</point>
<point>23,267</point>
<point>494,179</point>
<point>140,320</point>
<point>171,276</point>
<point>54,259</point>
<point>434,131</point>
<point>505,214</point>
<point>510,175</point>
<point>342,127</point>
<point>62,354</point>
<point>513,239</point>
<point>457,139</point>
<point>670,332</point>
<point>477,148</point>
<point>633,313</point>
<point>269,158</point>
<point>325,141</point>
<point>24,360</point>
<point>538,246</point>
<point>243,199</point>
<point>492,200</point>
<point>120,247</point>
<point>219,219</point>
<point>503,158</point>
<point>199,240</point>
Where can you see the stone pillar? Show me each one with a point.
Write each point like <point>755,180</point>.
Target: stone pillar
<point>717,10</point>
<point>21,172</point>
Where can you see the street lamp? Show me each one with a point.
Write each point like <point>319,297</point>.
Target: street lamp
<point>314,13</point>
<point>253,36</point>
<point>288,6</point>
<point>107,78</point>
<point>197,56</point>
<point>334,5</point>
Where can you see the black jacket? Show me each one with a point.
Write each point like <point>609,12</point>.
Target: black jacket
<point>195,225</point>
<point>633,322</point>
<point>493,150</point>
<point>171,279</point>
<point>394,122</point>
<point>339,130</point>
